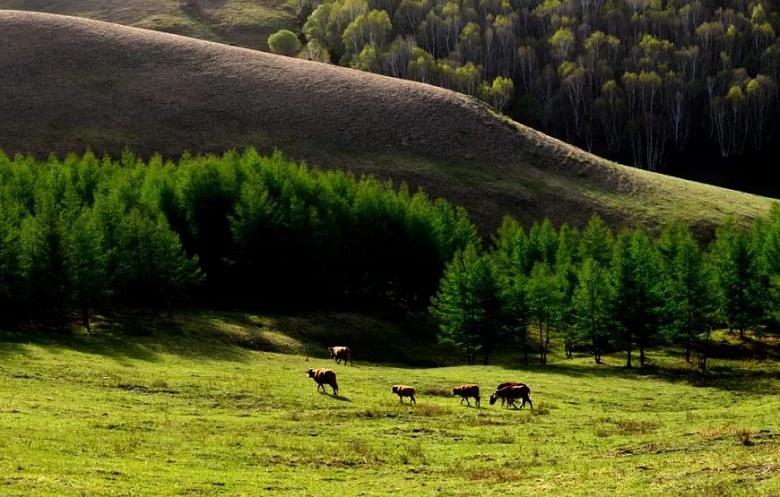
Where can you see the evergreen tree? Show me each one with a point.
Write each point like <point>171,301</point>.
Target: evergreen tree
<point>591,303</point>
<point>468,304</point>
<point>597,242</point>
<point>635,286</point>
<point>566,260</point>
<point>515,312</point>
<point>690,303</point>
<point>85,263</point>
<point>10,270</point>
<point>42,260</point>
<point>544,301</point>
<point>742,284</point>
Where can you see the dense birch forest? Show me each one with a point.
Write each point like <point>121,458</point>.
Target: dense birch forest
<point>646,82</point>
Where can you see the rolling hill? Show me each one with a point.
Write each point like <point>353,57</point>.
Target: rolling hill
<point>68,84</point>
<point>244,23</point>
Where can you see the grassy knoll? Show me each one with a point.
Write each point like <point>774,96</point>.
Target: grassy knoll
<point>201,413</point>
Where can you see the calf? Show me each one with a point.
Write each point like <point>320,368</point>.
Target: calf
<point>324,376</point>
<point>512,393</point>
<point>340,353</point>
<point>404,391</point>
<point>466,391</point>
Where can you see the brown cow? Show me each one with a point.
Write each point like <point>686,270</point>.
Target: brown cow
<point>466,391</point>
<point>340,353</point>
<point>404,391</point>
<point>508,384</point>
<point>324,376</point>
<point>512,393</point>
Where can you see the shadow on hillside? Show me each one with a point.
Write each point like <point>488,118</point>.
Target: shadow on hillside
<point>724,377</point>
<point>131,337</point>
<point>744,348</point>
<point>379,339</point>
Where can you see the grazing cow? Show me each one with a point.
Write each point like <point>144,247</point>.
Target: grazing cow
<point>466,391</point>
<point>324,376</point>
<point>340,353</point>
<point>512,393</point>
<point>508,384</point>
<point>404,391</point>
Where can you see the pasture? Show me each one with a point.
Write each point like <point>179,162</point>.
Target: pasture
<point>193,411</point>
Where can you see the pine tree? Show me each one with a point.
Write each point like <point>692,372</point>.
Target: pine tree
<point>591,303</point>
<point>689,300</point>
<point>468,304</point>
<point>86,263</point>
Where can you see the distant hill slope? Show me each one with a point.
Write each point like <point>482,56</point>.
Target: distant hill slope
<point>245,23</point>
<point>68,83</point>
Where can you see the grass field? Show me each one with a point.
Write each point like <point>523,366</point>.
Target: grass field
<point>196,412</point>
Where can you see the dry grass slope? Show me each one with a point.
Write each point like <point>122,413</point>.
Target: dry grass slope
<point>69,83</point>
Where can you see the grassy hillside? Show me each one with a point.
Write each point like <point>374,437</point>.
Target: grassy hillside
<point>69,83</point>
<point>219,404</point>
<point>245,23</point>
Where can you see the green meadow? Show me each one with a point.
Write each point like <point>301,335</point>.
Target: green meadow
<point>201,406</point>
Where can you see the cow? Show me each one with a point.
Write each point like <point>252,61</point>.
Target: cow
<point>512,393</point>
<point>404,391</point>
<point>466,391</point>
<point>508,384</point>
<point>324,376</point>
<point>340,353</point>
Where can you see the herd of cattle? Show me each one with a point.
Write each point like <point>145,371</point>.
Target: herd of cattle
<point>508,392</point>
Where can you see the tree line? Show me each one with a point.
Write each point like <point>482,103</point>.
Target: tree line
<point>604,292</point>
<point>632,80</point>
<point>84,233</point>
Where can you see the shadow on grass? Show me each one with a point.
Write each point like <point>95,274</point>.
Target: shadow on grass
<point>135,337</point>
<point>754,380</point>
<point>375,339</point>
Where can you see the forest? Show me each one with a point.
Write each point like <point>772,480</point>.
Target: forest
<point>605,292</point>
<point>651,83</point>
<point>84,234</point>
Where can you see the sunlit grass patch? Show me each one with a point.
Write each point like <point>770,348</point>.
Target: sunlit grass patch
<point>495,474</point>
<point>743,435</point>
<point>606,427</point>
<point>413,453</point>
<point>436,391</point>
<point>431,410</point>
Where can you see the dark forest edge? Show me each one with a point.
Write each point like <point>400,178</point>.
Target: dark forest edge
<point>86,234</point>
